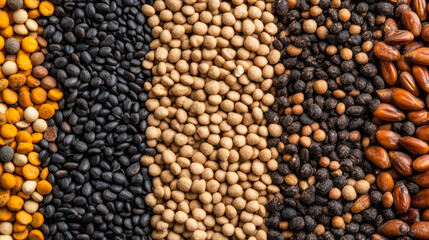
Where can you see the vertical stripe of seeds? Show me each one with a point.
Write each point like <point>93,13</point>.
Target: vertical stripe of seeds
<point>212,63</point>
<point>28,101</point>
<point>95,51</point>
<point>401,147</point>
<point>324,99</point>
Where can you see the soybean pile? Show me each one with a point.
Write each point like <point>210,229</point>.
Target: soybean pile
<point>212,65</point>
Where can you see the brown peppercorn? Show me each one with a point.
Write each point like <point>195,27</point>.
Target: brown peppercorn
<point>344,15</point>
<point>361,58</point>
<point>320,86</point>
<point>324,162</point>
<point>319,135</point>
<point>346,54</point>
<point>331,50</point>
<point>310,26</point>
<point>334,194</point>
<point>338,222</point>
<point>305,141</point>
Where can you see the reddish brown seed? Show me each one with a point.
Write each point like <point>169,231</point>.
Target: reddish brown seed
<point>378,156</point>
<point>419,7</point>
<point>399,37</point>
<point>418,117</point>
<point>421,199</point>
<point>388,139</point>
<point>387,200</point>
<point>385,95</point>
<point>414,145</point>
<point>401,198</point>
<point>377,236</point>
<point>425,215</point>
<point>408,82</point>
<point>386,52</point>
<point>403,64</point>
<point>361,204</point>
<point>406,100</point>
<point>421,163</point>
<point>402,8</point>
<point>411,216</point>
<point>402,163</point>
<point>412,22</point>
<point>412,46</point>
<point>421,75</point>
<point>422,133</point>
<point>418,56</point>
<point>420,230</point>
<point>389,72</point>
<point>394,228</point>
<point>425,33</point>
<point>390,26</point>
<point>422,179</point>
<point>388,112</point>
<point>385,182</point>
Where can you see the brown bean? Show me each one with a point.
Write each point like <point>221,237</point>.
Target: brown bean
<point>422,179</point>
<point>385,182</point>
<point>399,37</point>
<point>388,112</point>
<point>414,145</point>
<point>422,132</point>
<point>386,52</point>
<point>418,117</point>
<point>420,230</point>
<point>361,204</point>
<point>421,163</point>
<point>388,139</point>
<point>421,199</point>
<point>402,163</point>
<point>385,95</point>
<point>411,216</point>
<point>401,198</point>
<point>412,22</point>
<point>419,6</point>
<point>408,82</point>
<point>389,72</point>
<point>378,156</point>
<point>418,56</point>
<point>405,100</point>
<point>394,228</point>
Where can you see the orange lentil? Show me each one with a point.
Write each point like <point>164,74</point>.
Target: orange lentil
<point>46,111</point>
<point>5,214</point>
<point>23,217</point>
<point>44,173</point>
<point>34,13</point>
<point>8,131</point>
<point>20,235</point>
<point>44,187</point>
<point>16,81</point>
<point>25,99</point>
<point>2,3</point>
<point>29,44</point>
<point>46,8</point>
<point>19,181</point>
<point>38,95</point>
<point>1,55</point>
<point>36,235</point>
<point>55,94</point>
<point>18,227</point>
<point>7,32</point>
<point>15,203</point>
<point>4,19</point>
<point>9,96</point>
<point>32,4</point>
<point>12,116</point>
<point>33,82</point>
<point>23,136</point>
<point>25,147</point>
<point>36,137</point>
<point>33,158</point>
<point>38,220</point>
<point>30,172</point>
<point>24,62</point>
<point>7,181</point>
